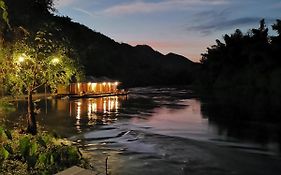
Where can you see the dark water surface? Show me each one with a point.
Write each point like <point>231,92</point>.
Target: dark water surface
<point>161,131</point>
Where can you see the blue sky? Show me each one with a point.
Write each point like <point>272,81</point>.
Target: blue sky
<point>185,27</point>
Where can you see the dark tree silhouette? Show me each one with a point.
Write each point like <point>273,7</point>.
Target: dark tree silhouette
<point>245,63</point>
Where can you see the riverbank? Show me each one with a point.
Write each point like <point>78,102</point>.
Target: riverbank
<point>22,153</point>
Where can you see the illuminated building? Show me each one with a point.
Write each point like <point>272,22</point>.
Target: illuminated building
<point>93,86</point>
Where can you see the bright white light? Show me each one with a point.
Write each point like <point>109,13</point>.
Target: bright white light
<point>21,59</point>
<point>104,106</point>
<point>116,83</point>
<point>78,117</point>
<point>55,60</point>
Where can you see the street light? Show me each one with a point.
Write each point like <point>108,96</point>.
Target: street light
<point>55,61</point>
<point>21,58</point>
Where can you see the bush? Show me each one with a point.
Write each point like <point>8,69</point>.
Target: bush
<point>6,106</point>
<point>40,154</point>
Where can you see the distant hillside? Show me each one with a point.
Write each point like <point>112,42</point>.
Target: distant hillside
<point>100,55</point>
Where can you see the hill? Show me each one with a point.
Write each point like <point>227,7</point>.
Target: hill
<point>99,54</point>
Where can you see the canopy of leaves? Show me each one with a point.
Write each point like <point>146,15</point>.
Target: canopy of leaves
<point>249,63</point>
<point>37,60</point>
<point>3,9</point>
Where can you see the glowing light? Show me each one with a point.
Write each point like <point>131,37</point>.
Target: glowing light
<point>104,106</point>
<point>94,107</point>
<point>78,117</point>
<point>104,83</point>
<point>78,87</point>
<point>21,58</point>
<point>89,109</point>
<point>116,104</point>
<point>112,105</point>
<point>116,83</point>
<point>55,61</point>
<point>109,105</point>
<point>94,85</point>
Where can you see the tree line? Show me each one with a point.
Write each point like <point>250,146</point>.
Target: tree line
<point>245,62</point>
<point>241,75</point>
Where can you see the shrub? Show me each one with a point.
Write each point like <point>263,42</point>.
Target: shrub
<point>40,154</point>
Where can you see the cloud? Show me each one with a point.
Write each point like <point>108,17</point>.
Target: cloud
<point>84,11</point>
<point>223,23</point>
<point>63,3</point>
<point>159,44</point>
<point>276,6</point>
<point>141,6</point>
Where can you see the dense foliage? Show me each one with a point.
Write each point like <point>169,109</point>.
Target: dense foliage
<point>32,56</point>
<point>24,154</point>
<point>32,61</point>
<point>36,61</point>
<point>242,76</point>
<point>245,63</point>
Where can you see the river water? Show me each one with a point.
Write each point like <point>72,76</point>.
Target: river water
<point>160,131</point>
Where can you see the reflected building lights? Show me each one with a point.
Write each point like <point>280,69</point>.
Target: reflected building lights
<point>97,110</point>
<point>109,105</point>
<point>90,109</point>
<point>104,106</point>
<point>94,107</point>
<point>78,116</point>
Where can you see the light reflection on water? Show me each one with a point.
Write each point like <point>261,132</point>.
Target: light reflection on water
<point>70,117</point>
<point>166,111</point>
<point>97,111</point>
<point>126,128</point>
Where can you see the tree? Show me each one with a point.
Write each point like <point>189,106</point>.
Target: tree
<point>35,61</point>
<point>276,40</point>
<point>4,11</point>
<point>4,22</point>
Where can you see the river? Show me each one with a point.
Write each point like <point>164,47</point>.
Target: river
<point>159,131</point>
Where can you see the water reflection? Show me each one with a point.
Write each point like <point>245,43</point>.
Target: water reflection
<point>167,111</point>
<point>237,120</point>
<point>106,106</point>
<point>97,111</point>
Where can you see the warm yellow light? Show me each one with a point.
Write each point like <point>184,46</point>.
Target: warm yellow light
<point>116,83</point>
<point>21,58</point>
<point>104,83</point>
<point>55,61</point>
<point>93,85</point>
<point>78,116</point>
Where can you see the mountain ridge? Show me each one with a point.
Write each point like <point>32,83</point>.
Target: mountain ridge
<point>100,55</point>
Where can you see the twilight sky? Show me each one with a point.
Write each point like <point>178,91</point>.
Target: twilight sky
<point>185,27</point>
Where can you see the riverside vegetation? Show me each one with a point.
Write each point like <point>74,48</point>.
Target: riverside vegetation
<point>243,69</point>
<point>22,153</point>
